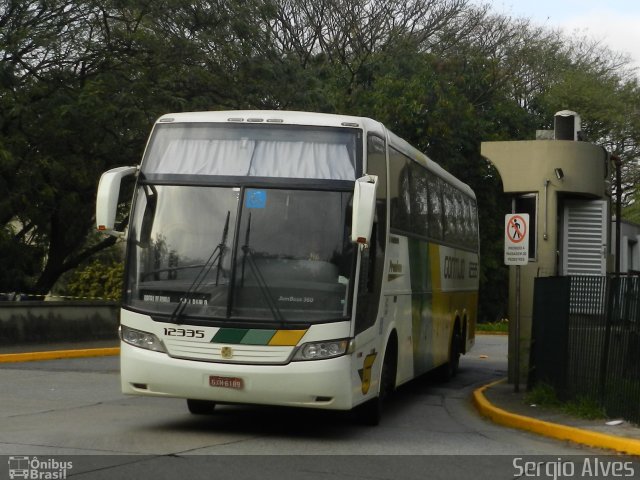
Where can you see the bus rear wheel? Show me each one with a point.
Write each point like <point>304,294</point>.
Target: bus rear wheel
<point>450,369</point>
<point>200,407</point>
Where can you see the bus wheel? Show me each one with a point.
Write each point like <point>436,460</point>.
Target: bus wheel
<point>200,407</point>
<point>450,369</point>
<point>370,412</point>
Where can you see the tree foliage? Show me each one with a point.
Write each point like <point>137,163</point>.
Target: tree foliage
<point>97,280</point>
<point>81,82</point>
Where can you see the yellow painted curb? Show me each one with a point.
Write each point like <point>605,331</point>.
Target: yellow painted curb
<point>561,432</point>
<point>58,354</point>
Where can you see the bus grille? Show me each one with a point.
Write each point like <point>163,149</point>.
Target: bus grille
<point>226,353</point>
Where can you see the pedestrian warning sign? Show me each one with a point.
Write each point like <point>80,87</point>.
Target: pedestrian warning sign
<point>516,239</point>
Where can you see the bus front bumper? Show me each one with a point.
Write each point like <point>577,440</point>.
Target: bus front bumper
<point>315,384</point>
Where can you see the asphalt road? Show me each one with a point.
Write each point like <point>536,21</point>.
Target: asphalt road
<point>73,409</point>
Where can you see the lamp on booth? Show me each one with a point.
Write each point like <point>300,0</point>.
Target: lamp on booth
<point>559,173</point>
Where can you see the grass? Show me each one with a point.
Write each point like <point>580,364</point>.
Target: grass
<point>581,407</point>
<point>501,326</point>
<point>584,407</point>
<point>543,394</point>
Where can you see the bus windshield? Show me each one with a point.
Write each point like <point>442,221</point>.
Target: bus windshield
<point>240,254</point>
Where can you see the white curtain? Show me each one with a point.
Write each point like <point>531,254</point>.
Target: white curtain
<point>206,157</point>
<point>257,158</point>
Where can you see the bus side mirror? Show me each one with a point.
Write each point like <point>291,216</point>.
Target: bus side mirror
<point>364,209</point>
<point>107,199</point>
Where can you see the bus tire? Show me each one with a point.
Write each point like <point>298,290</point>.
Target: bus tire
<point>200,407</point>
<point>450,369</point>
<point>370,413</point>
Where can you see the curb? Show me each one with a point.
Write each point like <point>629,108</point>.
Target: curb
<point>561,432</point>
<point>58,354</point>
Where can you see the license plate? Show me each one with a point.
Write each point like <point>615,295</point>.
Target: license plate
<point>226,382</point>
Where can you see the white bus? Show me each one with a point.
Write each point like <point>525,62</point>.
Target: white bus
<point>290,258</point>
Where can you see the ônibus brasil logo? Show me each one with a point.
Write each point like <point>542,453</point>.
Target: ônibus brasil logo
<point>33,468</point>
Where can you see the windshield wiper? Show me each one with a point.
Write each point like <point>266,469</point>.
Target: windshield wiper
<point>262,284</point>
<point>214,259</point>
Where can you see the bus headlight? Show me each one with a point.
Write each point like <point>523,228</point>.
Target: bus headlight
<point>322,350</point>
<point>141,339</point>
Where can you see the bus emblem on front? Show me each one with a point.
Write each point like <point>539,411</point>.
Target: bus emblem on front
<point>227,352</point>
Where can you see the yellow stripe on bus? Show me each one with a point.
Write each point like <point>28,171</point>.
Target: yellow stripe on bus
<point>434,260</point>
<point>287,338</point>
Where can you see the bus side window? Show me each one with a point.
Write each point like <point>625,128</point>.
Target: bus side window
<point>474,225</point>
<point>435,207</point>
<point>449,214</point>
<point>420,205</point>
<point>399,172</point>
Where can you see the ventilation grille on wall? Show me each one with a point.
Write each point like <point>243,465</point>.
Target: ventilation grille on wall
<point>585,235</point>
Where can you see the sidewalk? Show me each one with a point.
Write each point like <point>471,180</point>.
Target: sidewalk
<point>502,405</point>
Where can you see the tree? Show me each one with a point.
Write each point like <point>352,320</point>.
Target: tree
<point>81,84</point>
<point>48,103</point>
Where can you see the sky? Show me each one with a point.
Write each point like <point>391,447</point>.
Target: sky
<point>616,23</point>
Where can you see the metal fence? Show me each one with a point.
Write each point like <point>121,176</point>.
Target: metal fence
<point>586,340</point>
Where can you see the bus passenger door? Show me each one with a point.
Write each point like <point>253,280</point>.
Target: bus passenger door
<point>369,358</point>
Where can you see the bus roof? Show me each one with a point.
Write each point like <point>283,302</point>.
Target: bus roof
<point>275,117</point>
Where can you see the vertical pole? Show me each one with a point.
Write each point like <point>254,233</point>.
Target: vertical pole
<point>516,331</point>
<point>618,164</point>
<point>611,286</point>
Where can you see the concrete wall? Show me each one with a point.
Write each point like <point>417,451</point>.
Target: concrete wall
<point>525,165</point>
<point>41,322</point>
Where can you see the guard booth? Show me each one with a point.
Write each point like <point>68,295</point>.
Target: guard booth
<point>560,181</point>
